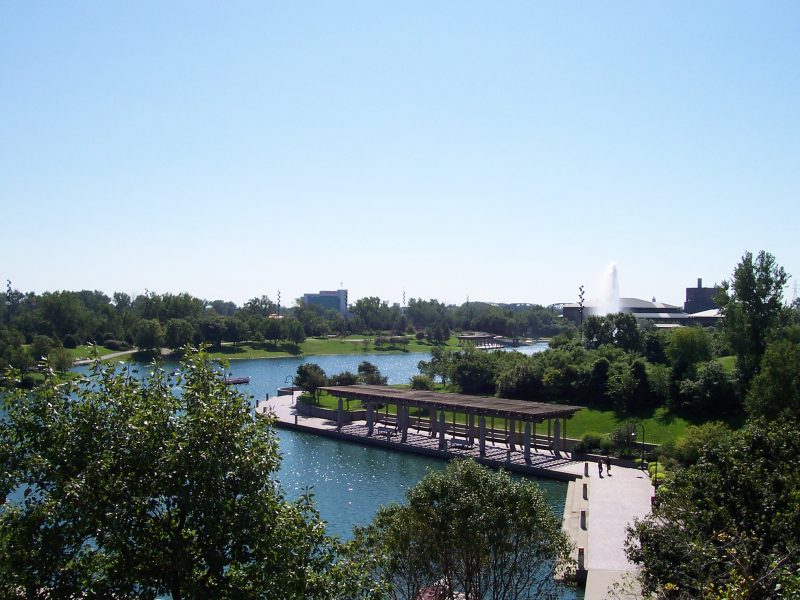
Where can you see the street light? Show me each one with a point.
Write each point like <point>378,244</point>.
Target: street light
<point>635,425</point>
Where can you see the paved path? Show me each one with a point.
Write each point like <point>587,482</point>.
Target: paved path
<point>612,501</point>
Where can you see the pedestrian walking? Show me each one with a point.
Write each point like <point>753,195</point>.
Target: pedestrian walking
<point>600,467</point>
<point>608,465</point>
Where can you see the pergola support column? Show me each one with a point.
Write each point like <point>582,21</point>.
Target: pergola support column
<point>370,418</point>
<point>482,435</point>
<point>512,435</point>
<point>528,442</point>
<point>442,441</point>
<point>471,428</point>
<point>402,417</point>
<point>339,414</point>
<point>557,436</point>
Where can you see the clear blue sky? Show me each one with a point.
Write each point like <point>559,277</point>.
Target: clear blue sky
<point>506,151</point>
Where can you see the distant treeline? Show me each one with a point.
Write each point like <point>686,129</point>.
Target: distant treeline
<point>32,325</point>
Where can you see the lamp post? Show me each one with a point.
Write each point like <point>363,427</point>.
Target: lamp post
<point>642,442</point>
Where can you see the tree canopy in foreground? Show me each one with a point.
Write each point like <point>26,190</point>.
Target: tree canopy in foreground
<point>729,525</point>
<point>120,488</point>
<point>472,530</point>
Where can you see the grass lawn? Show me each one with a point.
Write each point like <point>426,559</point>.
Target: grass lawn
<point>354,344</point>
<point>728,363</point>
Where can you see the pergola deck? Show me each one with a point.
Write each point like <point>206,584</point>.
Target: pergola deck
<point>437,404</point>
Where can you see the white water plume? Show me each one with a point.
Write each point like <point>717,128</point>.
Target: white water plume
<point>609,300</point>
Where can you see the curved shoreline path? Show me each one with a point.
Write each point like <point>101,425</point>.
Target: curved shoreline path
<point>609,504</point>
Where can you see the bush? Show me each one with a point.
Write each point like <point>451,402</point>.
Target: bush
<point>421,382</point>
<point>590,442</point>
<point>420,335</point>
<point>116,345</point>
<point>71,341</point>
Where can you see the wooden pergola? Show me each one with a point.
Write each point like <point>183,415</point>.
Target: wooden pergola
<point>437,404</point>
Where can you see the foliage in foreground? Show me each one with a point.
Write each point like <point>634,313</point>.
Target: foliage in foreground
<point>729,525</point>
<point>468,529</point>
<point>122,488</point>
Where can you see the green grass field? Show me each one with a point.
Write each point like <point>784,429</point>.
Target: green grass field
<point>727,362</point>
<point>354,344</point>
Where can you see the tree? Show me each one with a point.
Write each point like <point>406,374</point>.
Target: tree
<point>472,530</point>
<point>370,374</point>
<point>178,333</point>
<point>775,391</point>
<point>521,382</point>
<point>128,489</point>
<point>474,372</point>
<point>310,377</point>
<point>752,304</point>
<point>149,335</point>
<point>729,520</point>
<point>273,330</point>
<point>688,346</point>
<point>294,331</point>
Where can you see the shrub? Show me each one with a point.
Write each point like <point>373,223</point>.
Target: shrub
<point>421,382</point>
<point>420,335</point>
<point>590,442</point>
<point>71,341</point>
<point>116,345</point>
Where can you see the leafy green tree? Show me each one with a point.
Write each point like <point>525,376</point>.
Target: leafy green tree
<point>520,382</point>
<point>691,444</point>
<point>370,374</point>
<point>149,335</point>
<point>712,391</point>
<point>212,330</point>
<point>474,372</point>
<point>440,364</point>
<point>41,345</point>
<point>294,331</point>
<point>775,391</point>
<point>688,346</point>
<point>310,377</point>
<point>343,378</point>
<point>752,304</point>
<point>59,359</point>
<point>273,330</point>
<point>597,331</point>
<point>471,530</point>
<point>179,332</point>
<point>128,489</point>
<point>732,518</point>
<point>237,330</point>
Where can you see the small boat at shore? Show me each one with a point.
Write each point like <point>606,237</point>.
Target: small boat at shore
<point>235,380</point>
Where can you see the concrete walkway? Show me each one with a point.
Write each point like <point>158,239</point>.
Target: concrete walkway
<point>609,503</point>
<point>614,502</point>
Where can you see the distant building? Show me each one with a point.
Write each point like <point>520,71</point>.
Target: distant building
<point>333,300</point>
<point>658,312</point>
<point>700,299</point>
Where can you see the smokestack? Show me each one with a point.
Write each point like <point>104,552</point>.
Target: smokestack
<point>699,282</point>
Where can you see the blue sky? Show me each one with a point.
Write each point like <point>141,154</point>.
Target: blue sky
<point>502,151</point>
